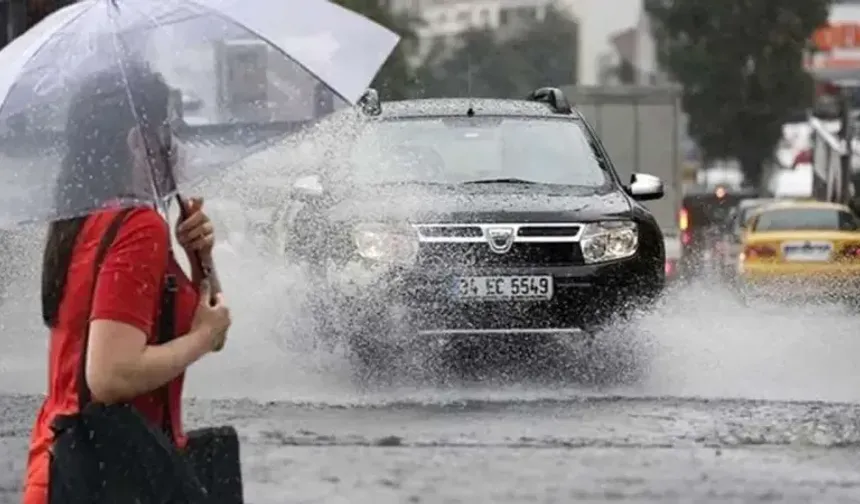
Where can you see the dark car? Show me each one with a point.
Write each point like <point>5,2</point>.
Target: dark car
<point>703,220</point>
<point>473,219</point>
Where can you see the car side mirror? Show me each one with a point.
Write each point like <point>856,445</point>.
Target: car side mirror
<point>645,187</point>
<point>308,187</point>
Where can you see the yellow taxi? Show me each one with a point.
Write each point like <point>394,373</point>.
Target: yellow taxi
<point>801,248</point>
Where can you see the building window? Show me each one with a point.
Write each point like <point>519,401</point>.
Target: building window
<point>464,16</point>
<point>504,16</point>
<point>485,17</point>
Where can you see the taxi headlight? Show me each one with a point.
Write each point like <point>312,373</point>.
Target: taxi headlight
<point>609,241</point>
<point>385,243</point>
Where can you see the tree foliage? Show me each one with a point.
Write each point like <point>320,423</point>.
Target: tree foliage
<point>740,63</point>
<point>488,63</point>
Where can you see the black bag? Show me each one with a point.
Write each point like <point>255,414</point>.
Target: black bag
<point>213,453</point>
<point>111,454</point>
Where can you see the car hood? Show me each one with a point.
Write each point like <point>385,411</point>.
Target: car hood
<point>501,203</point>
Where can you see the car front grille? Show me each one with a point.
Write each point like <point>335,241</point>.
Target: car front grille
<point>476,231</point>
<point>480,255</point>
<point>468,245</point>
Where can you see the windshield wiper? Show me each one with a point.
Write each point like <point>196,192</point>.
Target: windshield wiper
<point>503,181</point>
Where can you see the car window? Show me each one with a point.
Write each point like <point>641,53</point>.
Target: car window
<point>459,149</point>
<point>811,219</point>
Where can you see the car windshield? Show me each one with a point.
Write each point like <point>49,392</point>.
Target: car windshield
<point>454,150</point>
<point>806,219</point>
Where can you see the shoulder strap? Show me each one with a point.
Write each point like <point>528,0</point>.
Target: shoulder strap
<point>166,326</point>
<point>84,394</point>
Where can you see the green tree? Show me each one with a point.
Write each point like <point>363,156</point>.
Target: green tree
<point>472,65</point>
<point>550,47</point>
<point>396,78</point>
<point>740,63</point>
<point>490,63</point>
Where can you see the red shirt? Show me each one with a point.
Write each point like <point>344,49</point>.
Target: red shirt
<point>129,291</point>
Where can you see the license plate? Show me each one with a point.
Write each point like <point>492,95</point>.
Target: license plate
<point>503,287</point>
<point>807,251</point>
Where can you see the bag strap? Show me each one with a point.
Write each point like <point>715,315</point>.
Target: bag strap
<point>166,332</point>
<point>84,393</point>
<point>166,325</point>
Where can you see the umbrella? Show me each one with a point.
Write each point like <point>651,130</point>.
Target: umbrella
<point>124,102</point>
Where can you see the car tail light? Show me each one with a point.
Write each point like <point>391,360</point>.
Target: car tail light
<point>686,238</point>
<point>670,267</point>
<point>759,252</point>
<point>684,219</point>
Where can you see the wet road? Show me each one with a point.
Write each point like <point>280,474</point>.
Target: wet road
<point>740,405</point>
<point>584,449</point>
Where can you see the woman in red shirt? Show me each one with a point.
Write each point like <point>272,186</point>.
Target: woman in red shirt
<point>107,155</point>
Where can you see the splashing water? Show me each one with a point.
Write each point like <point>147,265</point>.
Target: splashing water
<point>709,344</point>
<point>704,342</point>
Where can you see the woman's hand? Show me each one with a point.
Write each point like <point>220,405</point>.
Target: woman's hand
<point>196,233</point>
<point>212,318</point>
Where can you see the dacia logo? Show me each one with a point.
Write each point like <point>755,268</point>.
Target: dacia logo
<point>500,239</point>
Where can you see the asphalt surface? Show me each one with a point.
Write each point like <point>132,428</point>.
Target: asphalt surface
<point>584,450</point>
<point>739,405</point>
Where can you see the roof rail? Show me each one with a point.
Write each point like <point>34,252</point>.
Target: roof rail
<point>369,102</point>
<point>553,97</point>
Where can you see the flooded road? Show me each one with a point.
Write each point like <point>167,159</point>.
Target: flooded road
<point>739,405</point>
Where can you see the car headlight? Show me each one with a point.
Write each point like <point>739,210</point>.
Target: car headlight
<point>384,243</point>
<point>608,241</point>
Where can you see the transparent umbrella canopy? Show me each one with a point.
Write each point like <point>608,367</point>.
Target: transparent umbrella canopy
<point>125,102</point>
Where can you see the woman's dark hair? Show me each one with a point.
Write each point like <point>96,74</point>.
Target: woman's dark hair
<point>97,165</point>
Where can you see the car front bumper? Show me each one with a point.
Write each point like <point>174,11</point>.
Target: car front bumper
<point>421,302</point>
<point>800,281</point>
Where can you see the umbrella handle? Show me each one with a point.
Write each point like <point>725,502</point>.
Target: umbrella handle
<point>206,268</point>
